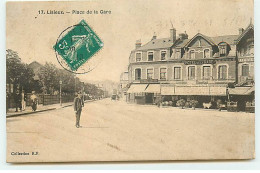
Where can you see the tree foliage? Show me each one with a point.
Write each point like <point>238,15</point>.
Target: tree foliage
<point>49,77</point>
<point>19,73</point>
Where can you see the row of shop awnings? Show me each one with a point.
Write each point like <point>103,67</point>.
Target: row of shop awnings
<point>144,88</point>
<point>241,90</point>
<point>194,90</point>
<point>189,90</point>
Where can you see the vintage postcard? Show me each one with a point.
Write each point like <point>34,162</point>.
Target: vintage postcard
<point>130,80</point>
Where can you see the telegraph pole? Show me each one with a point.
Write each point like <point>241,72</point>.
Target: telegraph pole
<point>60,92</point>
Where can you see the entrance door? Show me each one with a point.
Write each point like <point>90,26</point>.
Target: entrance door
<point>149,98</point>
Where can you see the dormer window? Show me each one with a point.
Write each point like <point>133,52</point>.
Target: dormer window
<point>150,56</point>
<point>222,49</point>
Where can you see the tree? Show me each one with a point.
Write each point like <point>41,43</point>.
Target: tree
<point>18,73</point>
<point>48,77</point>
<point>68,81</point>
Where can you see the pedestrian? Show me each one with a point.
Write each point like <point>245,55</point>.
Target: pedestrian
<point>23,101</point>
<point>7,100</point>
<point>34,101</point>
<point>17,99</point>
<point>78,104</point>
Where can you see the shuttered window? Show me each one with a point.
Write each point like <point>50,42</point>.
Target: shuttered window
<point>177,73</point>
<point>150,56</point>
<point>191,73</point>
<point>206,72</point>
<point>149,73</point>
<point>138,57</point>
<point>222,72</point>
<point>245,70</point>
<point>163,73</point>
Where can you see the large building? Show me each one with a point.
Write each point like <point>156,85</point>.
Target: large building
<point>202,67</point>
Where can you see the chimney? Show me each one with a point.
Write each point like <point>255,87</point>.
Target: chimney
<point>138,44</point>
<point>154,36</point>
<point>183,36</point>
<point>241,30</point>
<point>173,34</point>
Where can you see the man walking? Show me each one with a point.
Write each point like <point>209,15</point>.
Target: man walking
<point>17,98</point>
<point>78,104</point>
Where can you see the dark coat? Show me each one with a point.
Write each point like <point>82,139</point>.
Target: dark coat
<point>17,98</point>
<point>78,104</point>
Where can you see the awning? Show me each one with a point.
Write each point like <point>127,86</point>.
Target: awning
<point>241,90</point>
<point>167,90</point>
<point>217,91</point>
<point>193,90</point>
<point>153,88</point>
<point>137,88</point>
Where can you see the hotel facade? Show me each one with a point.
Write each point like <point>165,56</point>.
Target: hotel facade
<point>200,68</point>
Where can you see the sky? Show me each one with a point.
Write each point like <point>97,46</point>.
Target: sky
<point>33,36</point>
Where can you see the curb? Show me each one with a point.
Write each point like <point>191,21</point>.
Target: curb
<point>27,113</point>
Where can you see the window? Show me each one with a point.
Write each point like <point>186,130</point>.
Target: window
<point>137,74</point>
<point>150,56</point>
<point>163,55</point>
<point>149,73</point>
<point>206,72</point>
<point>177,54</point>
<point>206,53</point>
<point>251,49</point>
<point>138,57</point>
<point>245,70</point>
<point>192,54</point>
<point>177,73</point>
<point>222,72</point>
<point>163,73</point>
<point>222,50</point>
<point>191,73</point>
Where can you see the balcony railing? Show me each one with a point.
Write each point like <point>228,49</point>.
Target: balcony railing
<point>188,82</point>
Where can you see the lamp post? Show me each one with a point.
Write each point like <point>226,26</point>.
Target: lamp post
<point>60,92</point>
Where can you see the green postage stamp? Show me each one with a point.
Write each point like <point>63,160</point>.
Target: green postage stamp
<point>77,44</point>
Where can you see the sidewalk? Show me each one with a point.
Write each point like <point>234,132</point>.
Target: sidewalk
<point>40,108</point>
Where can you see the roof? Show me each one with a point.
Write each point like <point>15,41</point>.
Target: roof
<point>230,39</point>
<point>157,44</point>
<point>182,43</point>
<point>250,26</point>
<point>208,39</point>
<point>163,43</point>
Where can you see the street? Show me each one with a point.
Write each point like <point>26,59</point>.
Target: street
<point>118,131</point>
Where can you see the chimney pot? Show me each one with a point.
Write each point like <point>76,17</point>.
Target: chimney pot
<point>138,44</point>
<point>241,30</point>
